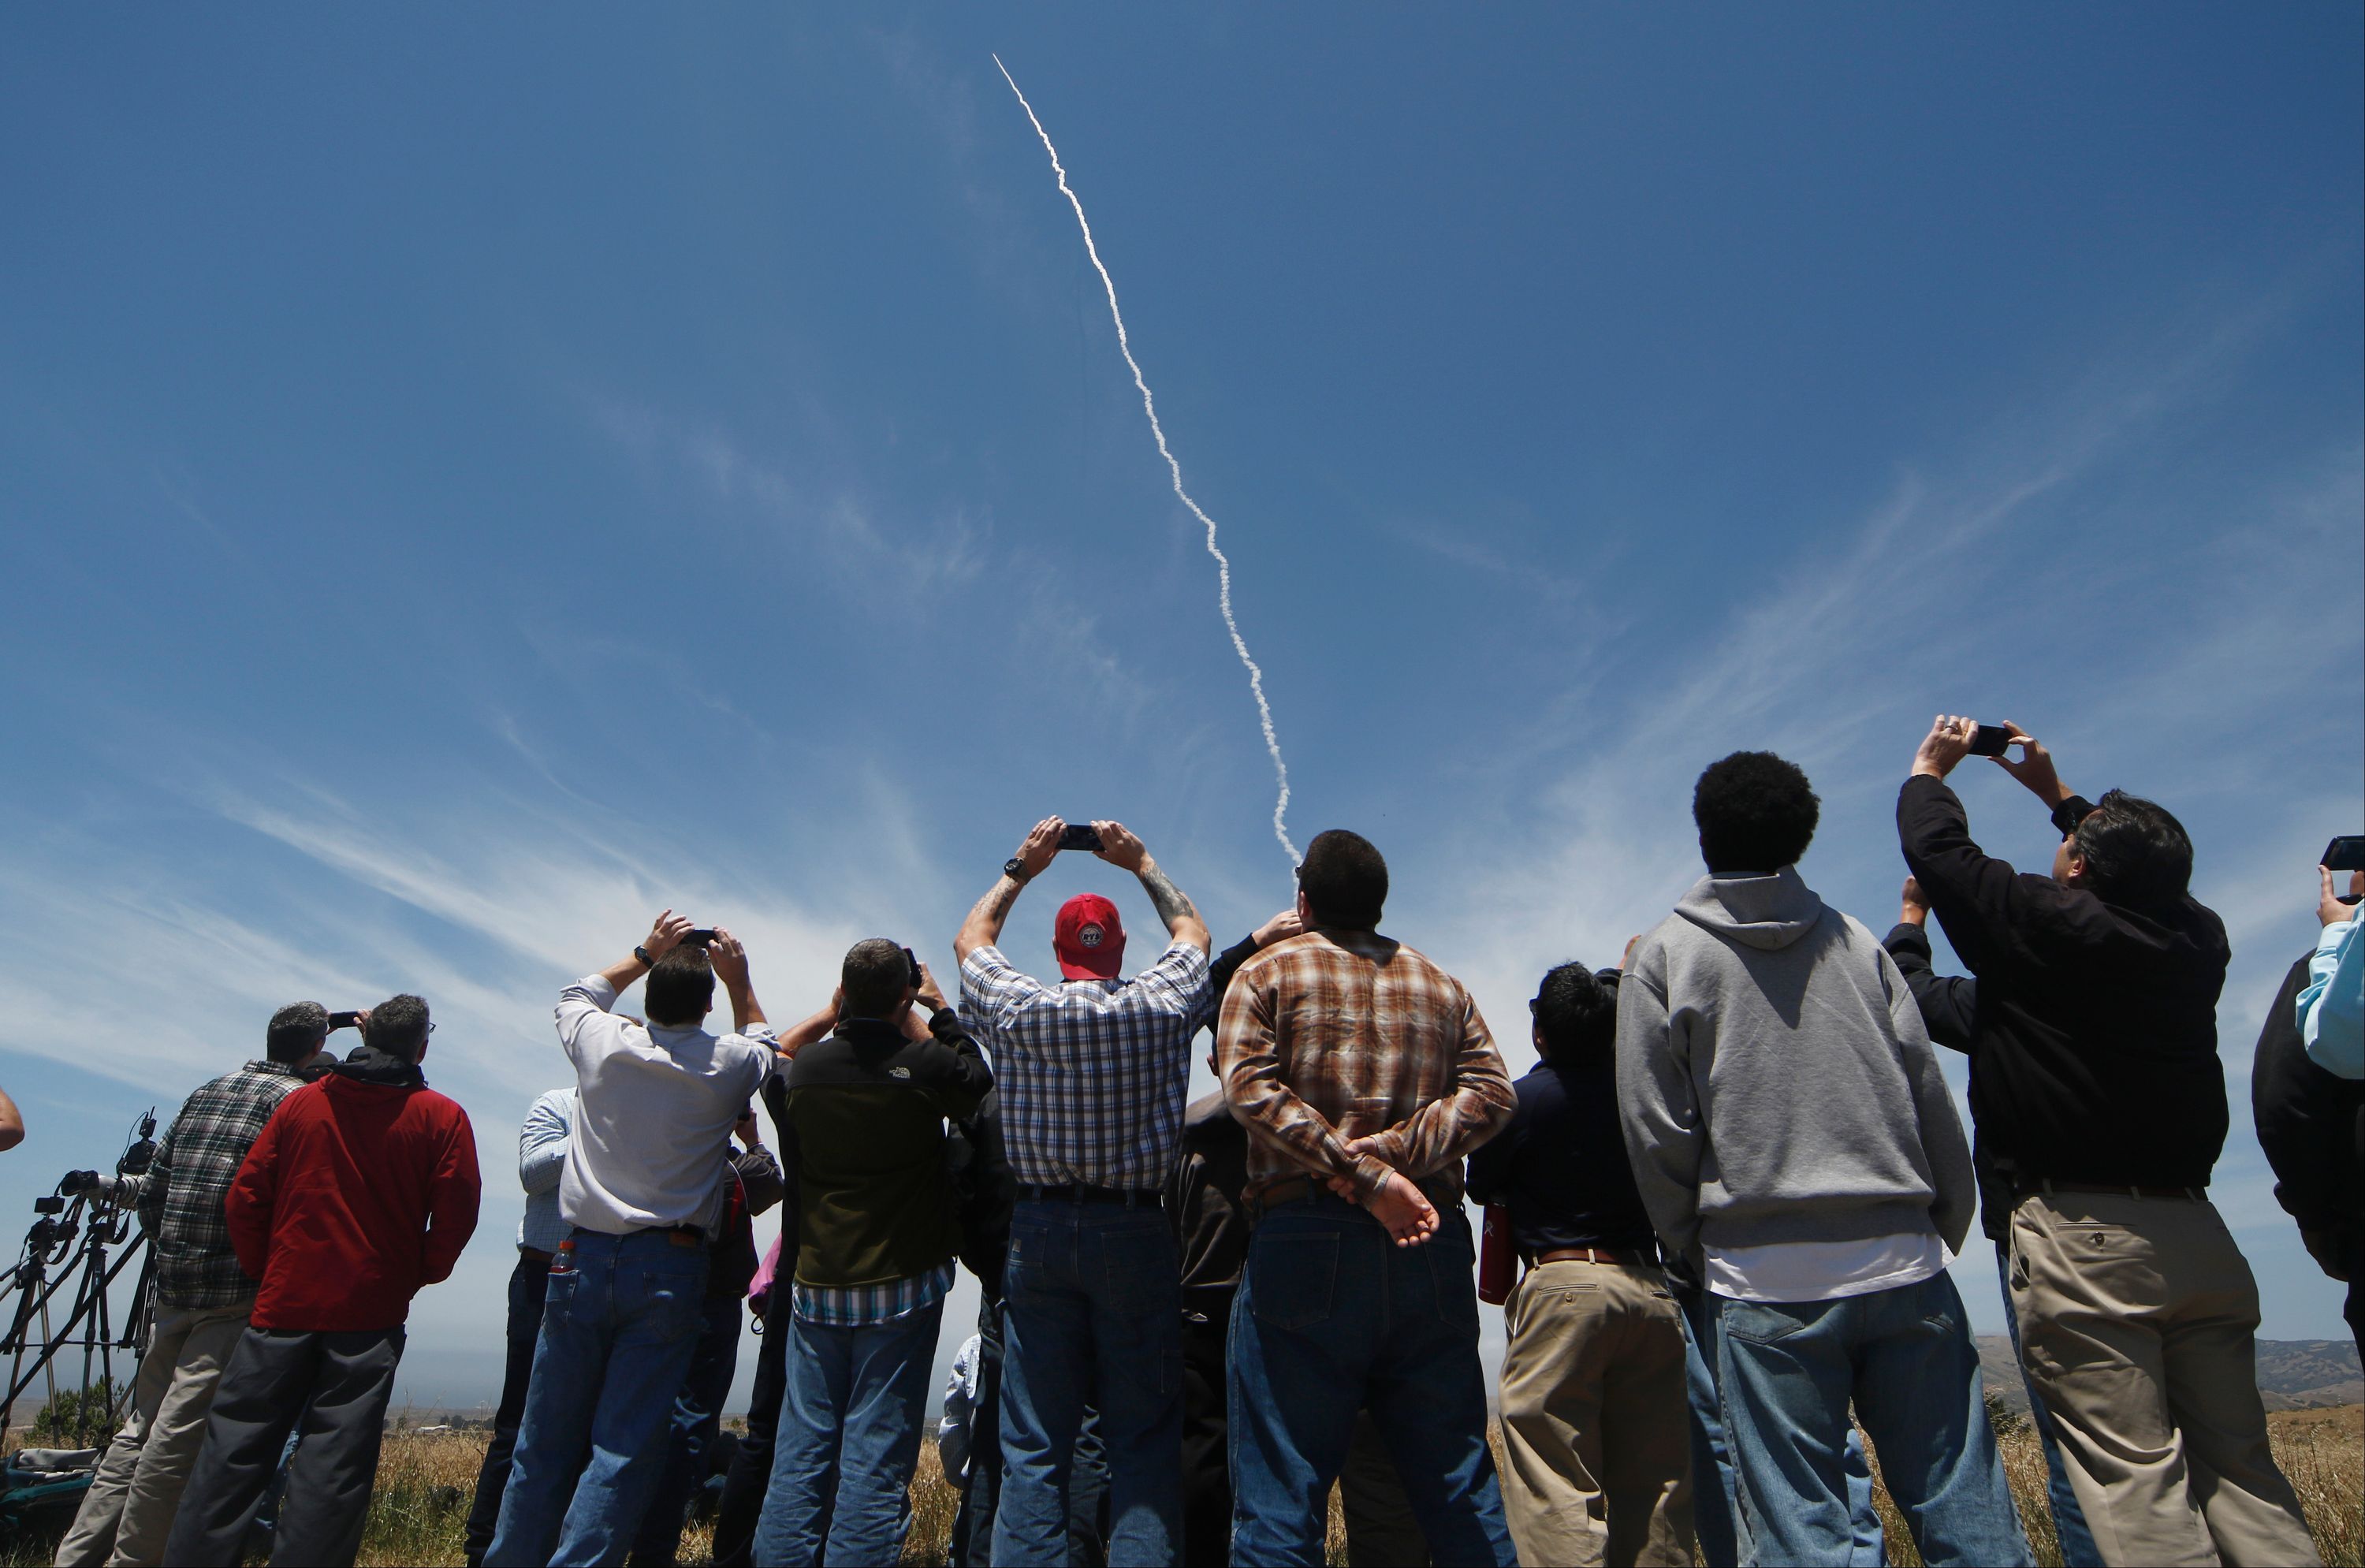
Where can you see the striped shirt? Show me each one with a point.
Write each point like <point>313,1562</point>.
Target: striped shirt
<point>1091,1071</point>
<point>1338,1035</point>
<point>862,1306</point>
<point>541,1158</point>
<point>181,1195</point>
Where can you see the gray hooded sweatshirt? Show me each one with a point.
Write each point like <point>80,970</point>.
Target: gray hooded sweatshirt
<point>1775,1082</point>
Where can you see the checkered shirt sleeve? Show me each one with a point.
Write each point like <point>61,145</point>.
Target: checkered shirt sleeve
<point>1331,1037</point>
<point>862,1306</point>
<point>181,1202</point>
<point>1092,1072</point>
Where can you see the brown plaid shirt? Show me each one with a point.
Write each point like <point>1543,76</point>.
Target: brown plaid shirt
<point>1339,1035</point>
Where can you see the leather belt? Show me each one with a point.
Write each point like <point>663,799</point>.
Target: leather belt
<point>1131,1197</point>
<point>536,1256</point>
<point>1289,1190</point>
<point>1629,1257</point>
<point>2175,1194</point>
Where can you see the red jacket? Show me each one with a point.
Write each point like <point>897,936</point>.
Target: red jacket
<point>362,1189</point>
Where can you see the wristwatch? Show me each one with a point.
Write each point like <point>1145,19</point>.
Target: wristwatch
<point>1014,869</point>
<point>643,955</point>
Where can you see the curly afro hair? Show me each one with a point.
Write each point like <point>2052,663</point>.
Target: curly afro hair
<point>1756,813</point>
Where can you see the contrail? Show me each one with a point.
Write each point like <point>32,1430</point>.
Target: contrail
<point>1150,407</point>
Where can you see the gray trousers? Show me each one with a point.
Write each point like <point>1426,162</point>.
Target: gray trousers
<point>338,1384</point>
<point>128,1509</point>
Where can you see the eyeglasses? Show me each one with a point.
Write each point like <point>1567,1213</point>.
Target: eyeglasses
<point>430,1025</point>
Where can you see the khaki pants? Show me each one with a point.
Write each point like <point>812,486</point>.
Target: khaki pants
<point>1594,1418</point>
<point>2136,1319</point>
<point>128,1512</point>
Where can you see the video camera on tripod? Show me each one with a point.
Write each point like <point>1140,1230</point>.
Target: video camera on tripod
<point>83,1235</point>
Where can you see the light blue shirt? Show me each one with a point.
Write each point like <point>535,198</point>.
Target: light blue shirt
<point>2331,1011</point>
<point>542,1156</point>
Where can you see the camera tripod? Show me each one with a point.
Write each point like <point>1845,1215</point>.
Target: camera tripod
<point>81,1242</point>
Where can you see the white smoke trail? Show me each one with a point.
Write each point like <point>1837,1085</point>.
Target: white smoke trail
<point>1150,407</point>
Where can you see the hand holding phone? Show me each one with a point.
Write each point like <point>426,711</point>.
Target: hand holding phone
<point>345,1021</point>
<point>1991,740</point>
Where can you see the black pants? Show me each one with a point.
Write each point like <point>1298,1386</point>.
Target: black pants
<point>751,1466</point>
<point>338,1384</point>
<point>2352,1258</point>
<point>1206,1463</point>
<point>528,1287</point>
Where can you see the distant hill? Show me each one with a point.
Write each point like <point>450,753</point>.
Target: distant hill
<point>2293,1374</point>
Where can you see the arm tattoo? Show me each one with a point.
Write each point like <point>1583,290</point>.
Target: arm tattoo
<point>994,908</point>
<point>1166,898</point>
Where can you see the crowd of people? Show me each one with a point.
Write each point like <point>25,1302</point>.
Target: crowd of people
<point>1733,1181</point>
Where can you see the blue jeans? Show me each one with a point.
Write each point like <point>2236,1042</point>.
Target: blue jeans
<point>848,1439</point>
<point>1332,1315</point>
<point>1092,1315</point>
<point>1788,1371</point>
<point>1716,1506</point>
<point>619,1328</point>
<point>2078,1548</point>
<point>696,1417</point>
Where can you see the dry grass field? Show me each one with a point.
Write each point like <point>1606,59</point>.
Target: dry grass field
<point>424,1482</point>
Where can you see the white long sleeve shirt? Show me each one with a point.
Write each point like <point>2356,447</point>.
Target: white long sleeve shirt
<point>652,1130</point>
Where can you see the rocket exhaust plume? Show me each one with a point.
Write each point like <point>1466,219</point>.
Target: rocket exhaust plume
<point>1150,408</point>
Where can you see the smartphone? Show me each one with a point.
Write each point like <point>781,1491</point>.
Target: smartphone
<point>1080,836</point>
<point>344,1020</point>
<point>701,936</point>
<point>2346,853</point>
<point>1991,740</point>
<point>912,961</point>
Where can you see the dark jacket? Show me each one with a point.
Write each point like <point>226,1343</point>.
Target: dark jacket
<point>865,1135</point>
<point>2092,1032</point>
<point>1205,1204</point>
<point>361,1189</point>
<point>1204,1194</point>
<point>2311,1122</point>
<point>1560,1162</point>
<point>984,1191</point>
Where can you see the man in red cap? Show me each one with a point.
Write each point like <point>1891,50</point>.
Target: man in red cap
<point>1091,1073</point>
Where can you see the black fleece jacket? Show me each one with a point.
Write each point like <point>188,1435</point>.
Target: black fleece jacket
<point>2093,1031</point>
<point>863,1132</point>
<point>2311,1122</point>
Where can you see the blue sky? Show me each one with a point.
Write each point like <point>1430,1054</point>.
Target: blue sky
<point>467,483</point>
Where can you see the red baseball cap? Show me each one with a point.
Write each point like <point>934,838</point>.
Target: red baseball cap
<point>1088,938</point>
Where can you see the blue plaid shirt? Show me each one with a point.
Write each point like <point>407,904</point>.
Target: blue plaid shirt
<point>1091,1073</point>
<point>860,1306</point>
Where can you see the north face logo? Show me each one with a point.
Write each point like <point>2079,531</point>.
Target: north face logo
<point>899,1072</point>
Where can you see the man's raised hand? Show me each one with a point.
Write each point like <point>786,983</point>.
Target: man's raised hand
<point>1042,842</point>
<point>2034,770</point>
<point>665,935</point>
<point>1949,741</point>
<point>1280,928</point>
<point>932,995</point>
<point>1118,847</point>
<point>729,956</point>
<point>1912,905</point>
<point>2329,907</point>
